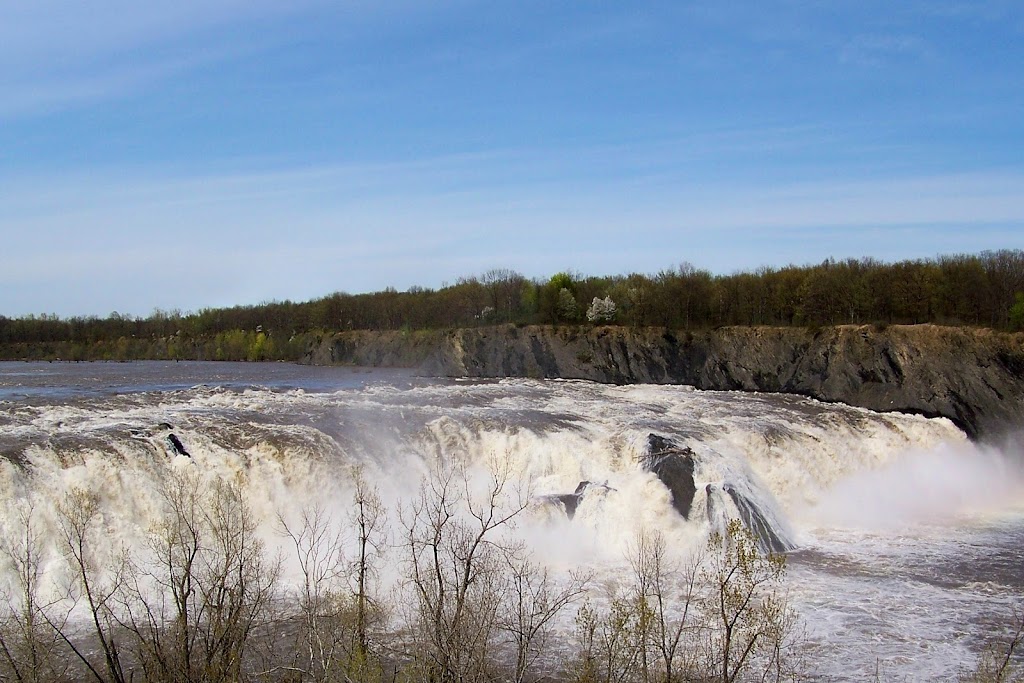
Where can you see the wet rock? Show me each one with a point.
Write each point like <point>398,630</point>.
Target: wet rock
<point>571,501</point>
<point>709,491</point>
<point>756,522</point>
<point>674,467</point>
<point>177,446</point>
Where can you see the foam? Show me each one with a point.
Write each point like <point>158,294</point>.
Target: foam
<point>838,480</point>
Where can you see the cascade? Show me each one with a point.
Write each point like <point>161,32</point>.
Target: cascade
<point>600,464</point>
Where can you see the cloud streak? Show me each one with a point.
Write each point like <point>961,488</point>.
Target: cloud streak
<point>223,151</point>
<point>56,54</point>
<point>55,92</point>
<point>50,33</point>
<point>304,232</point>
<point>879,50</point>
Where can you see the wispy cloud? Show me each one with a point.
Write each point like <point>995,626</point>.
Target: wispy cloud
<point>58,53</point>
<point>540,176</point>
<point>271,149</point>
<point>48,33</point>
<point>985,11</point>
<point>879,50</point>
<point>54,92</point>
<point>302,232</point>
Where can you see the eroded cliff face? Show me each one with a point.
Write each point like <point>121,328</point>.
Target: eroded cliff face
<point>973,377</point>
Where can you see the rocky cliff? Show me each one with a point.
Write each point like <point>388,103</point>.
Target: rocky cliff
<point>973,377</point>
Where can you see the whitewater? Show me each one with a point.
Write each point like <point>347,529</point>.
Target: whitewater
<point>905,541</point>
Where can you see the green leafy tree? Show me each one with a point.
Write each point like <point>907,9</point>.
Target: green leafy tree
<point>1017,313</point>
<point>550,298</point>
<point>568,310</point>
<point>745,607</point>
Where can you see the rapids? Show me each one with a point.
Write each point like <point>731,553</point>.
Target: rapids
<point>906,541</point>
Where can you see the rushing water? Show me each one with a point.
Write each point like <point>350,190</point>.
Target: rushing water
<point>909,540</point>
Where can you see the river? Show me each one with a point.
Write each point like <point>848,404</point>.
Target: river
<point>906,541</point>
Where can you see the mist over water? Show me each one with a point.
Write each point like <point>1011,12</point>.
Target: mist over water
<point>939,486</point>
<point>909,539</point>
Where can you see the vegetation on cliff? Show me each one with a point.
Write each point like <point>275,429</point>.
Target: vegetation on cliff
<point>983,290</point>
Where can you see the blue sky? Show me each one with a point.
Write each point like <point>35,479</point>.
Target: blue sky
<point>218,152</point>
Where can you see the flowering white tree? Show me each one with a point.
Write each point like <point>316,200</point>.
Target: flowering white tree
<point>601,310</point>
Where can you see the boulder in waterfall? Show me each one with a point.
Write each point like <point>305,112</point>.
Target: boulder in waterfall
<point>177,446</point>
<point>571,501</point>
<point>674,467</point>
<point>757,523</point>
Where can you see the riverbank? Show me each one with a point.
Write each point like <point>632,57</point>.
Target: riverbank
<point>974,377</point>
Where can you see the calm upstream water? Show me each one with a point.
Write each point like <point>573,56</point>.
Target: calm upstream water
<point>909,540</point>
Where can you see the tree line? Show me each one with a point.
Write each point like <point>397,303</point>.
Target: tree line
<point>985,290</point>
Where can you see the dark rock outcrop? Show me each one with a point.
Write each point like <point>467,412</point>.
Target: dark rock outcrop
<point>674,467</point>
<point>172,443</point>
<point>974,377</point>
<point>767,538</point>
<point>571,501</point>
<point>712,510</point>
<point>177,446</point>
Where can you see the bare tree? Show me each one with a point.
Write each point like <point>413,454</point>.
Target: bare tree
<point>648,632</point>
<point>719,614</point>
<point>160,607</point>
<point>505,287</point>
<point>533,600</point>
<point>236,583</point>
<point>335,625</point>
<point>191,606</point>
<point>369,519</point>
<point>183,611</point>
<point>1000,662</point>
<point>667,590</point>
<point>322,606</point>
<point>28,642</point>
<point>454,544</point>
<point>95,582</point>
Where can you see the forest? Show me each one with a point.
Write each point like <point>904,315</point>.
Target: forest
<point>981,290</point>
